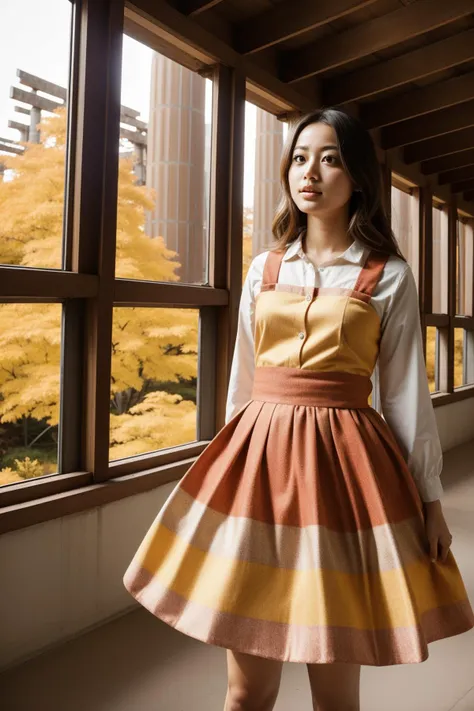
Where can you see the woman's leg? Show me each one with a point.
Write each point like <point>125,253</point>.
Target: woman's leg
<point>253,682</point>
<point>335,687</point>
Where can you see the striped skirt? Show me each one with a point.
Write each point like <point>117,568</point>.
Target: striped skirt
<point>298,535</point>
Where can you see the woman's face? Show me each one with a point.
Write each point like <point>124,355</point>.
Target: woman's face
<point>318,181</point>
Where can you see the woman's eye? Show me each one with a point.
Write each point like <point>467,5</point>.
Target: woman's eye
<point>330,159</point>
<point>296,158</point>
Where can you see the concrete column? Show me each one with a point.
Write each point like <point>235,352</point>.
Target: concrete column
<point>176,164</point>
<point>269,145</point>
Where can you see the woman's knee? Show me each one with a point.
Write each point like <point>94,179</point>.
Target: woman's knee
<point>245,698</point>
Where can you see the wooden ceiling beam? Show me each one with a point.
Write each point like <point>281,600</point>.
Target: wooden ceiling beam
<point>425,127</point>
<point>450,162</point>
<point>290,19</point>
<point>407,68</point>
<point>439,146</point>
<point>418,102</point>
<point>469,196</point>
<point>373,36</point>
<point>196,7</point>
<point>456,176</point>
<point>464,186</point>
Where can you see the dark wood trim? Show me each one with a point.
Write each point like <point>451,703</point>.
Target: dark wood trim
<point>447,163</point>
<point>425,127</point>
<point>457,175</point>
<point>35,489</point>
<point>196,7</point>
<point>426,253</point>
<point>158,16</point>
<point>437,320</point>
<point>371,36</point>
<point>41,284</point>
<point>148,293</point>
<point>469,196</point>
<point>409,67</point>
<point>154,460</point>
<point>290,19</point>
<point>96,213</point>
<point>72,122</point>
<point>419,102</point>
<point>206,426</point>
<point>452,242</point>
<point>71,386</point>
<point>55,506</point>
<point>465,322</point>
<point>439,146</point>
<point>464,186</point>
<point>463,393</point>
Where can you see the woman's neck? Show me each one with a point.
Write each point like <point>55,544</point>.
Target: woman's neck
<point>326,236</point>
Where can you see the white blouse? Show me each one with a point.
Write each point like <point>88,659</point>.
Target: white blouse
<point>400,373</point>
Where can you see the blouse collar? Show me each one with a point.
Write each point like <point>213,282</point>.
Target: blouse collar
<point>354,253</point>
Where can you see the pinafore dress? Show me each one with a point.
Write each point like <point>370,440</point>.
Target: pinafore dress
<point>298,533</point>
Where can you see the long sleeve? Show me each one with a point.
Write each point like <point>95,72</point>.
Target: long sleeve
<point>404,390</point>
<point>243,360</point>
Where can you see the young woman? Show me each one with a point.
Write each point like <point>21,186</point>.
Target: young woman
<point>310,529</point>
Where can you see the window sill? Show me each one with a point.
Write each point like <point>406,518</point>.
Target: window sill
<point>74,493</point>
<point>463,393</point>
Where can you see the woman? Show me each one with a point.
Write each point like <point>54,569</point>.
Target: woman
<point>310,529</point>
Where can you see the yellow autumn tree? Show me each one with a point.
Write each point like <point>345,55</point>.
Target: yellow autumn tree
<point>149,346</point>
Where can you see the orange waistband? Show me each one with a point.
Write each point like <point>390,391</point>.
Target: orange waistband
<point>293,386</point>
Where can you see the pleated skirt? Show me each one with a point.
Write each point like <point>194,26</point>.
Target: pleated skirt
<point>298,535</point>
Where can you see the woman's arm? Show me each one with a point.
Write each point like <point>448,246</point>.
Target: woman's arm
<point>243,361</point>
<point>404,391</point>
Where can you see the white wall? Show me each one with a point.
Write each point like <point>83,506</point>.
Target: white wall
<point>59,578</point>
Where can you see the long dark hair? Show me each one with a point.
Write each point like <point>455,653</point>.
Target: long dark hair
<point>368,218</point>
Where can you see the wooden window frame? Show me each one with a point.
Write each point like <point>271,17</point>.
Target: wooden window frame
<point>88,288</point>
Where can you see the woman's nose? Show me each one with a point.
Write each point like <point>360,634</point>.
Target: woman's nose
<point>311,170</point>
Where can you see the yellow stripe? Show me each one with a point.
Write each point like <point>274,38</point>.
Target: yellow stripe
<point>278,595</point>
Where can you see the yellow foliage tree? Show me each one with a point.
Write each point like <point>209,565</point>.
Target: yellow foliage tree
<point>157,345</point>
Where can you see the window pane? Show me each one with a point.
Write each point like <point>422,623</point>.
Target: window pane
<point>469,358</point>
<point>440,260</point>
<point>432,350</point>
<point>154,379</point>
<point>264,139</point>
<point>165,152</point>
<point>464,268</point>
<point>405,224</point>
<point>458,357</point>
<point>30,344</point>
<point>34,67</point>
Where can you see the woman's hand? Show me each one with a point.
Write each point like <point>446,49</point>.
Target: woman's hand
<point>437,531</point>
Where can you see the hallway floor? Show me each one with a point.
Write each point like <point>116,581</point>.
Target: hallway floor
<point>137,663</point>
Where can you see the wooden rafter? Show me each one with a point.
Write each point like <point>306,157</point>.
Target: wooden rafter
<point>469,196</point>
<point>196,7</point>
<point>439,146</point>
<point>456,176</point>
<point>463,186</point>
<point>419,102</point>
<point>290,19</point>
<point>450,162</point>
<point>425,127</point>
<point>410,67</point>
<point>373,36</point>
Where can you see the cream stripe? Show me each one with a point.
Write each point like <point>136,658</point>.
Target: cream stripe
<point>384,547</point>
<point>370,601</point>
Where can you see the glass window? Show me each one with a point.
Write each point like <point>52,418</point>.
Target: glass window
<point>440,258</point>
<point>164,175</point>
<point>154,379</point>
<point>432,358</point>
<point>458,357</point>
<point>264,137</point>
<point>464,267</point>
<point>405,225</point>
<point>469,357</point>
<point>30,344</point>
<point>33,104</point>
